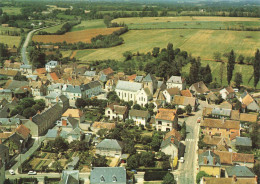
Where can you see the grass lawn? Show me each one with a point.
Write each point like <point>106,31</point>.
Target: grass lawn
<point>10,40</point>
<point>89,24</point>
<point>201,43</point>
<point>11,10</point>
<point>3,29</point>
<point>63,16</point>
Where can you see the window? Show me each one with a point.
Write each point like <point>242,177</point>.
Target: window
<point>102,179</point>
<point>159,122</point>
<point>108,112</point>
<point>114,179</point>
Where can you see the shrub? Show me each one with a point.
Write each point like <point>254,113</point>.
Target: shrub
<point>154,175</point>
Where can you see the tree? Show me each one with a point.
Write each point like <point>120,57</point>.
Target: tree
<point>147,159</point>
<point>130,146</point>
<point>256,68</point>
<point>230,66</point>
<point>183,130</point>
<point>29,112</point>
<point>188,109</point>
<point>168,179</point>
<point>221,72</point>
<point>217,56</point>
<point>99,161</point>
<point>240,59</point>
<point>60,144</point>
<point>156,142</point>
<point>133,161</point>
<point>80,103</point>
<point>128,55</point>
<point>255,136</point>
<point>78,145</point>
<point>137,107</point>
<point>102,132</point>
<point>238,79</point>
<point>156,51</point>
<point>107,20</point>
<point>200,175</point>
<point>194,69</point>
<point>207,76</point>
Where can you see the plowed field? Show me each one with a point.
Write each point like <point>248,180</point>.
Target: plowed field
<point>74,37</point>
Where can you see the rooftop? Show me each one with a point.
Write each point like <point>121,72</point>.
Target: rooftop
<point>166,114</point>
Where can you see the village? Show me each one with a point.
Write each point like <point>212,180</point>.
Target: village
<point>93,126</point>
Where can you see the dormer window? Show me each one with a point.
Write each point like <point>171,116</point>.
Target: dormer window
<point>114,179</point>
<point>102,179</point>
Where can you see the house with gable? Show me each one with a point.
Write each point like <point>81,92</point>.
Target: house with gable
<point>53,77</point>
<point>239,172</point>
<point>51,65</point>
<point>140,117</point>
<point>128,91</point>
<point>199,88</point>
<point>166,119</point>
<point>6,94</point>
<point>72,92</point>
<point>227,93</point>
<point>70,177</point>
<point>209,162</point>
<point>143,97</point>
<point>108,175</point>
<point>234,179</point>
<point>108,72</point>
<point>169,93</point>
<point>110,148</point>
<point>183,101</point>
<point>250,104</point>
<point>116,112</point>
<point>4,153</point>
<point>176,82</point>
<point>38,88</point>
<point>91,89</point>
<point>150,82</point>
<point>76,114</point>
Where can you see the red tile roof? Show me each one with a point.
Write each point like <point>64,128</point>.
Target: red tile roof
<point>23,131</point>
<point>54,76</point>
<point>108,71</point>
<point>41,70</point>
<point>166,114</point>
<point>186,93</point>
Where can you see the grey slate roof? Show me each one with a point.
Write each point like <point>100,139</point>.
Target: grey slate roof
<point>168,141</point>
<point>209,155</point>
<point>52,95</point>
<point>52,133</point>
<point>26,66</point>
<point>33,77</point>
<point>175,80</point>
<point>110,144</point>
<point>70,177</point>
<point>108,175</point>
<point>73,89</point>
<point>103,78</point>
<point>243,141</point>
<point>90,73</point>
<point>222,112</point>
<point>90,85</point>
<point>17,84</point>
<point>139,78</point>
<point>54,86</point>
<point>9,121</point>
<point>128,86</point>
<point>149,78</point>
<point>74,162</point>
<point>138,113</point>
<point>239,171</point>
<point>52,63</point>
<point>2,148</point>
<point>73,122</point>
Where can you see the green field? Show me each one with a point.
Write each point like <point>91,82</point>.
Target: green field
<point>10,40</point>
<point>3,29</point>
<point>89,24</point>
<point>63,16</point>
<point>246,70</point>
<point>53,29</point>
<point>11,10</point>
<point>216,23</point>
<point>201,43</point>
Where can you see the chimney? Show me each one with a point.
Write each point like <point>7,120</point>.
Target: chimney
<point>214,160</point>
<point>38,112</point>
<point>30,118</point>
<point>256,178</point>
<point>234,178</point>
<point>205,160</point>
<point>172,140</point>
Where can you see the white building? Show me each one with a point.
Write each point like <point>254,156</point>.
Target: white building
<point>227,93</point>
<point>50,65</point>
<point>71,92</point>
<point>91,89</point>
<point>140,117</point>
<point>127,91</point>
<point>166,119</point>
<point>116,112</point>
<point>143,96</point>
<point>176,81</point>
<point>169,93</point>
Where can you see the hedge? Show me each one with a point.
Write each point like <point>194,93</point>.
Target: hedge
<point>154,175</point>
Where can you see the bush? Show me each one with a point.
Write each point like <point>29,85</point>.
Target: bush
<point>154,175</point>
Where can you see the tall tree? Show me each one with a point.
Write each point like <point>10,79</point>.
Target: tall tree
<point>221,72</point>
<point>238,79</point>
<point>170,52</point>
<point>256,68</point>
<point>230,66</point>
<point>194,72</point>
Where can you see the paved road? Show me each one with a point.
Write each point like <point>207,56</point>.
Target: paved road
<point>186,174</point>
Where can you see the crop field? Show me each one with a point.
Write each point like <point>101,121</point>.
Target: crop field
<point>89,24</point>
<point>190,22</point>
<point>68,17</point>
<point>246,70</point>
<point>3,29</point>
<point>11,10</point>
<point>201,43</point>
<point>53,29</point>
<point>74,37</point>
<point>10,40</point>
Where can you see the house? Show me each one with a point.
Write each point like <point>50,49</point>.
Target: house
<point>170,146</point>
<point>249,102</point>
<point>52,98</point>
<point>9,124</point>
<point>4,153</point>
<point>6,94</point>
<point>26,69</point>
<point>72,92</point>
<point>211,98</point>
<point>220,127</point>
<point>91,89</point>
<point>186,93</point>
<point>169,93</point>
<point>166,119</point>
<point>70,177</point>
<point>110,85</point>
<point>239,172</point>
<point>227,93</point>
<point>14,84</point>
<point>69,123</point>
<point>225,105</point>
<point>108,72</point>
<point>199,88</point>
<point>150,82</point>
<point>131,78</point>
<point>127,91</point>
<point>221,113</point>
<point>77,114</point>
<point>51,65</point>
<point>139,78</point>
<point>118,112</point>
<point>244,142</point>
<point>183,101</point>
<point>52,77</point>
<point>110,147</point>
<point>96,126</point>
<point>143,97</point>
<point>244,117</point>
<point>234,179</point>
<point>108,175</point>
<point>140,117</point>
<point>11,74</point>
<point>2,172</point>
<point>217,143</point>
<point>176,81</point>
<point>38,88</point>
<point>23,132</point>
<point>90,73</point>
<point>209,162</point>
<point>39,71</point>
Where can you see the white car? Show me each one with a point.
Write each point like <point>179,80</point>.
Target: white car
<point>32,173</point>
<point>11,171</point>
<point>182,160</point>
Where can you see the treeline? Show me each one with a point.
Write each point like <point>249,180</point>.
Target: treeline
<point>10,33</point>
<point>64,29</point>
<point>100,41</point>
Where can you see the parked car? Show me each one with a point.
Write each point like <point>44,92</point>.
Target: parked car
<point>182,160</point>
<point>11,171</point>
<point>32,173</point>
<point>134,171</point>
<point>199,119</point>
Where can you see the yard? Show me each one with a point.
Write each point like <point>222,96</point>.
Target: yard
<point>10,40</point>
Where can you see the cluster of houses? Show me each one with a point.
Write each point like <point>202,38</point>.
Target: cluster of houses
<point>61,85</point>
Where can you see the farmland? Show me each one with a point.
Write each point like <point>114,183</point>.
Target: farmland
<point>216,23</point>
<point>11,10</point>
<point>201,43</point>
<point>10,40</point>
<point>89,24</point>
<point>74,37</point>
<point>53,29</point>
